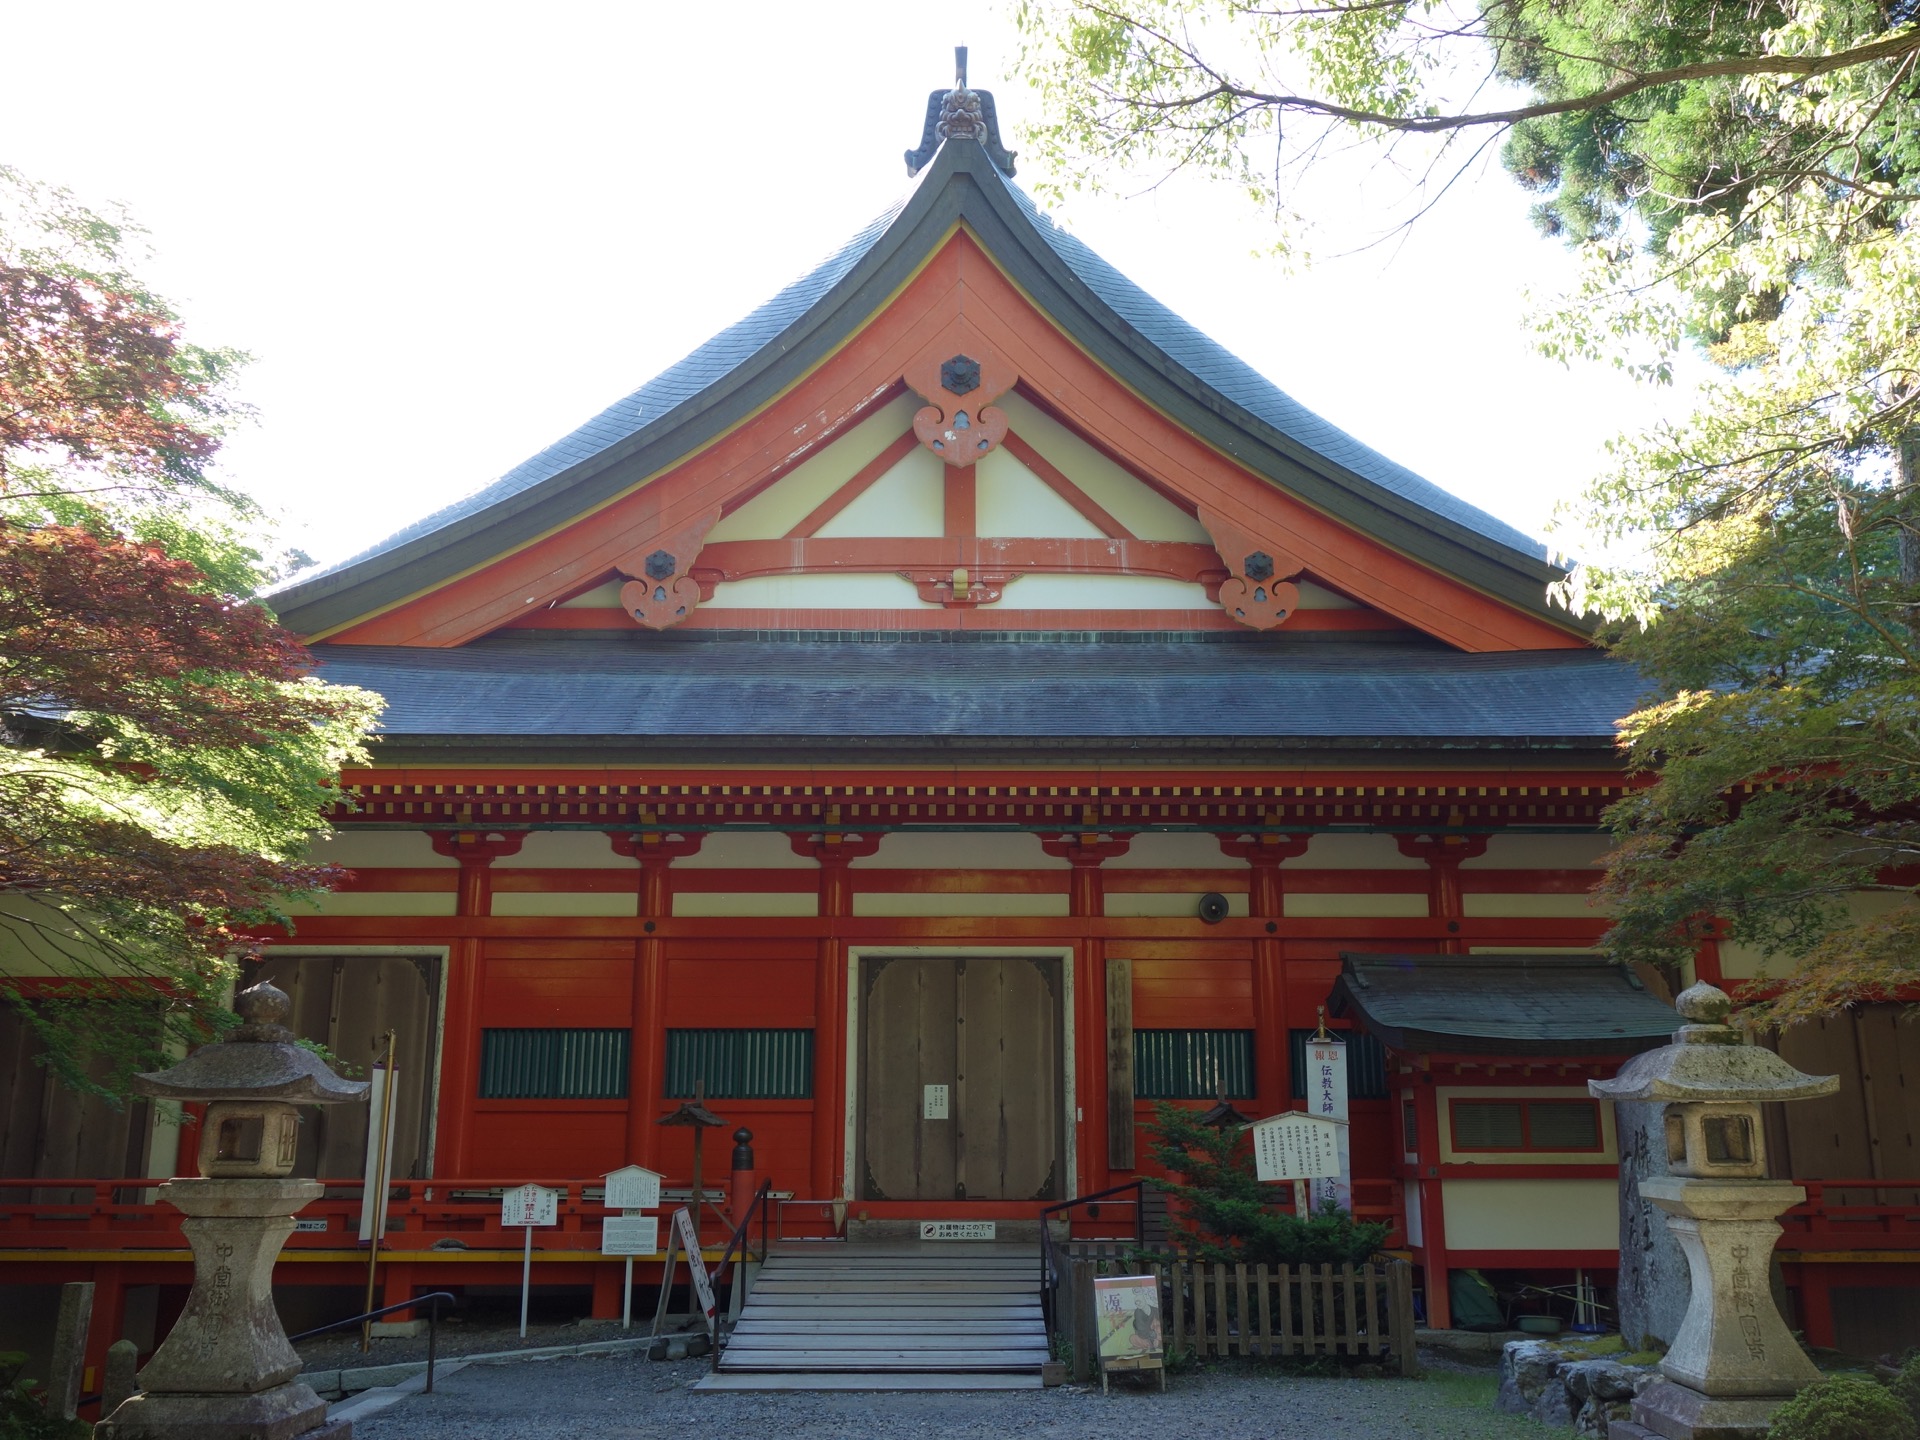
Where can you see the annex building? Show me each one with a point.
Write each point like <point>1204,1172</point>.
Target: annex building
<point>959,674</point>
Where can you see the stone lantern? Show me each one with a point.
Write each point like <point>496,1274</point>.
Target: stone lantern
<point>1733,1360</point>
<point>226,1369</point>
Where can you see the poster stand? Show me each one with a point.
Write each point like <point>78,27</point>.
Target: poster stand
<point>1126,1313</point>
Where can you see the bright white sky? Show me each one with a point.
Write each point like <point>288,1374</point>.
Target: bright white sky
<point>451,233</point>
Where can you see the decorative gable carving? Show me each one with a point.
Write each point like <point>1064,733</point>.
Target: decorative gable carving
<point>960,380</point>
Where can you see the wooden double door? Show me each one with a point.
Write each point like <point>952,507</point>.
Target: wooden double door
<point>962,1088</point>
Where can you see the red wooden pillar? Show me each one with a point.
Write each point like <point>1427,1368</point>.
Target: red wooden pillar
<point>646,1053</point>
<point>1433,1214</point>
<point>1266,900</point>
<point>1087,900</point>
<point>1444,854</point>
<point>835,852</point>
<point>460,1063</point>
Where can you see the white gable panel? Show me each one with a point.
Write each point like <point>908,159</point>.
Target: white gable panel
<point>597,598</point>
<point>815,592</point>
<point>793,497</point>
<point>1103,592</point>
<point>1144,511</point>
<point>1011,500</point>
<point>909,500</point>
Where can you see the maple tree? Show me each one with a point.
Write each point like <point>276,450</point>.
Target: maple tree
<point>165,752</point>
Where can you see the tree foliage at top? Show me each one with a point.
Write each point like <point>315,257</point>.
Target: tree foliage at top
<point>164,752</point>
<point>1739,181</point>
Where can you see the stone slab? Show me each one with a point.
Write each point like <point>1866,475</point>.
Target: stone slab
<point>1678,1413</point>
<point>282,1413</point>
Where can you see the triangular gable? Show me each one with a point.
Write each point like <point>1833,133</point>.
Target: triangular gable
<point>1040,428</point>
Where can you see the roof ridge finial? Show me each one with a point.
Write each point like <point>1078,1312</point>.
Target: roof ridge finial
<point>960,114</point>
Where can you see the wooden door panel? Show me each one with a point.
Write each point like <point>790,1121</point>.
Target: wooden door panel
<point>908,1011</point>
<point>1006,1100</point>
<point>989,1029</point>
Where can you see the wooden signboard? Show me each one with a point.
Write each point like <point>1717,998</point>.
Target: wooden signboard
<point>1296,1146</point>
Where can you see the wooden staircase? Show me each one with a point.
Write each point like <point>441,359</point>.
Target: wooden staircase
<point>891,1315</point>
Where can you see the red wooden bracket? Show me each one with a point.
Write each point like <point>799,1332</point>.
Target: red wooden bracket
<point>661,590</point>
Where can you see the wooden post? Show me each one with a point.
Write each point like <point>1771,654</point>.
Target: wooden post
<point>1403,1327</point>
<point>1120,1064</point>
<point>1085,1333</point>
<point>69,1349</point>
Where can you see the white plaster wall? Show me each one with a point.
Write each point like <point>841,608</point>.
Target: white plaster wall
<point>1358,852</point>
<point>598,598</point>
<point>756,903</point>
<point>1313,597</point>
<point>1102,592</point>
<point>910,499</point>
<point>1181,904</point>
<point>1540,852</point>
<point>1173,852</point>
<point>372,849</point>
<point>747,850</point>
<point>1398,907</point>
<point>937,851</point>
<point>375,902</point>
<point>1009,499</point>
<point>816,592</point>
<point>796,495</point>
<point>566,903</point>
<point>1531,1214</point>
<point>1142,510</point>
<point>565,850</point>
<point>1528,907</point>
<point>922,904</point>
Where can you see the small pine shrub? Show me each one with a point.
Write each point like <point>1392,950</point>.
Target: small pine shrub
<point>1905,1386</point>
<point>22,1416</point>
<point>1226,1214</point>
<point>1843,1407</point>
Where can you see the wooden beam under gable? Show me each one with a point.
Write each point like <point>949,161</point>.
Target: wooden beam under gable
<point>1254,523</point>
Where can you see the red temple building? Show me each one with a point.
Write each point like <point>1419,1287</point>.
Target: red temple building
<point>960,673</point>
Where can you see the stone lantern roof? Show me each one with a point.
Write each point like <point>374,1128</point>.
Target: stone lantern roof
<point>1709,1061</point>
<point>257,1060</point>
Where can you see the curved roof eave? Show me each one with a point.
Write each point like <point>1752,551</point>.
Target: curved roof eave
<point>725,380</point>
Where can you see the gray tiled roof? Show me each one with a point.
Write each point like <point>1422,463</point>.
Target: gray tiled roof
<point>1204,358</point>
<point>648,687</point>
<point>1501,1004</point>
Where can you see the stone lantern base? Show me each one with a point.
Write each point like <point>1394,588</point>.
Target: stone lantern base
<point>226,1371</point>
<point>1734,1361</point>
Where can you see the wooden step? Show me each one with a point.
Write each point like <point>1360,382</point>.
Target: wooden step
<point>902,1380</point>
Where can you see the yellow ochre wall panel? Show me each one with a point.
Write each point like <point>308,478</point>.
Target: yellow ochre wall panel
<point>1531,1214</point>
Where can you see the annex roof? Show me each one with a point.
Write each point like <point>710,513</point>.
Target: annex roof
<point>1501,1004</point>
<point>1191,378</point>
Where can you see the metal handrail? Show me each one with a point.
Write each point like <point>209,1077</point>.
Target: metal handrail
<point>1049,1270</point>
<point>759,1204</point>
<point>433,1323</point>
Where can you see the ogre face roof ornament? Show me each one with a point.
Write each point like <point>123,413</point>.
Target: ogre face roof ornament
<point>960,114</point>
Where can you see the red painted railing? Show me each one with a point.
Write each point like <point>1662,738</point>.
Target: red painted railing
<point>1854,1215</point>
<point>127,1215</point>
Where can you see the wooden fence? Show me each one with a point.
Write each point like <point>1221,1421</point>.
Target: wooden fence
<point>1268,1311</point>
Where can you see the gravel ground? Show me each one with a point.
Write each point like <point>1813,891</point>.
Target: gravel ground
<point>625,1398</point>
